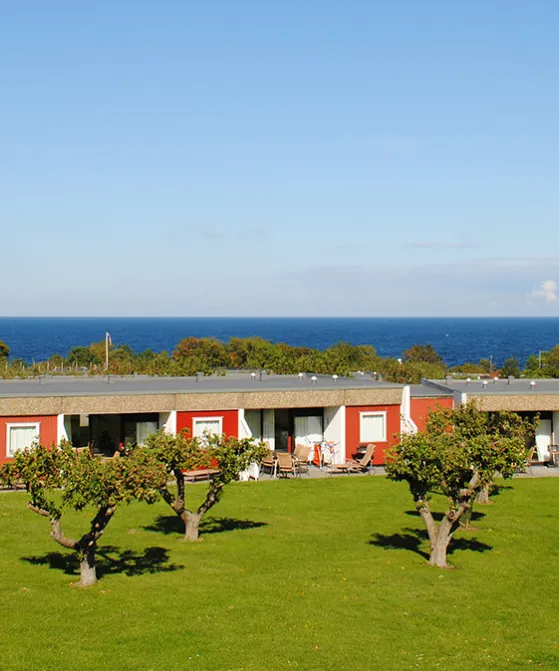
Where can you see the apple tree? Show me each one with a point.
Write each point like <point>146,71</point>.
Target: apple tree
<point>458,455</point>
<point>224,456</point>
<point>59,479</point>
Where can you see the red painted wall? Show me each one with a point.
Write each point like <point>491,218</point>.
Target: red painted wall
<point>421,407</point>
<point>230,420</point>
<point>353,429</point>
<point>47,431</point>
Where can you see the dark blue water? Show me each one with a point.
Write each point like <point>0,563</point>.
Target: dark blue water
<point>456,339</point>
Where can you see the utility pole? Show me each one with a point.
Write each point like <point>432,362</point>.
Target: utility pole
<point>108,342</point>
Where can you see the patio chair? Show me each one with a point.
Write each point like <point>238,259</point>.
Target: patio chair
<point>527,467</point>
<point>363,465</point>
<point>301,455</point>
<point>286,464</point>
<point>103,459</point>
<point>554,456</point>
<point>270,462</point>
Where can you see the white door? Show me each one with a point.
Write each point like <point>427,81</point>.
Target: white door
<point>543,439</point>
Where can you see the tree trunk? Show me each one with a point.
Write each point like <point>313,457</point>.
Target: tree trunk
<point>424,511</point>
<point>191,525</point>
<point>466,519</point>
<point>483,496</point>
<point>88,574</point>
<point>440,546</point>
<point>88,545</point>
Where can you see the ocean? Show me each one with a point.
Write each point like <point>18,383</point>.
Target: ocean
<point>457,339</point>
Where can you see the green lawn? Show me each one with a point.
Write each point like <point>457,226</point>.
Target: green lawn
<point>287,578</point>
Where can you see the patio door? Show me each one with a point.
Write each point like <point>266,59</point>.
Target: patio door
<point>543,439</point>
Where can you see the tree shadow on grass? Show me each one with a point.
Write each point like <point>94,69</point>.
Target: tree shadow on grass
<point>172,524</point>
<point>439,516</point>
<point>411,540</point>
<point>111,560</point>
<point>499,489</point>
<point>414,539</point>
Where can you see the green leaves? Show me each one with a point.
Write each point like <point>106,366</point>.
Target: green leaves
<point>182,452</point>
<point>457,445</point>
<point>225,454</point>
<point>83,480</point>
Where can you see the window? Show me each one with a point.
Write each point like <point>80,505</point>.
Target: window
<point>20,436</point>
<point>206,425</point>
<point>372,427</point>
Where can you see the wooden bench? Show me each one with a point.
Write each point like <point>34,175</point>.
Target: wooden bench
<point>202,474</point>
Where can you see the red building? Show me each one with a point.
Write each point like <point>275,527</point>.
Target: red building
<point>341,414</point>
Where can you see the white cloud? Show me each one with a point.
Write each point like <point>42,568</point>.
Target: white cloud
<point>546,290</point>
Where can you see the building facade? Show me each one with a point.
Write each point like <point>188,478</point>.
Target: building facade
<point>341,415</point>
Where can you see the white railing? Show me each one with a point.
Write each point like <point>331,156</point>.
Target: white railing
<point>407,424</point>
<point>244,431</point>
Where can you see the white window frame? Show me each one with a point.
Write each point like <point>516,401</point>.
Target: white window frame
<point>369,413</point>
<point>207,419</point>
<point>20,425</point>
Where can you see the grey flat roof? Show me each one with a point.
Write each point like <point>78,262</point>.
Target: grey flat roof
<point>428,391</point>
<point>115,385</point>
<point>500,387</point>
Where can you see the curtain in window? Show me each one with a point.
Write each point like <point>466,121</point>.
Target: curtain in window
<point>252,418</point>
<point>21,437</point>
<point>145,429</point>
<point>202,426</point>
<point>543,439</point>
<point>308,430</point>
<point>269,433</point>
<point>372,428</point>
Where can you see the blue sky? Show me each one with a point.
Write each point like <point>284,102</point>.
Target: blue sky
<point>279,158</point>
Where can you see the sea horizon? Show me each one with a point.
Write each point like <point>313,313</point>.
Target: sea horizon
<point>457,339</point>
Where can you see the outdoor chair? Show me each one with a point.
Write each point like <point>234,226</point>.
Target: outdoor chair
<point>270,462</point>
<point>286,464</point>
<point>527,467</point>
<point>554,455</point>
<point>103,459</point>
<point>362,465</point>
<point>301,455</point>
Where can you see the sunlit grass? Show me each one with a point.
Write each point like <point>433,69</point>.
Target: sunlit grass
<point>286,577</point>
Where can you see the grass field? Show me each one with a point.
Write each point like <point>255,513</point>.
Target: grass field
<point>309,574</point>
